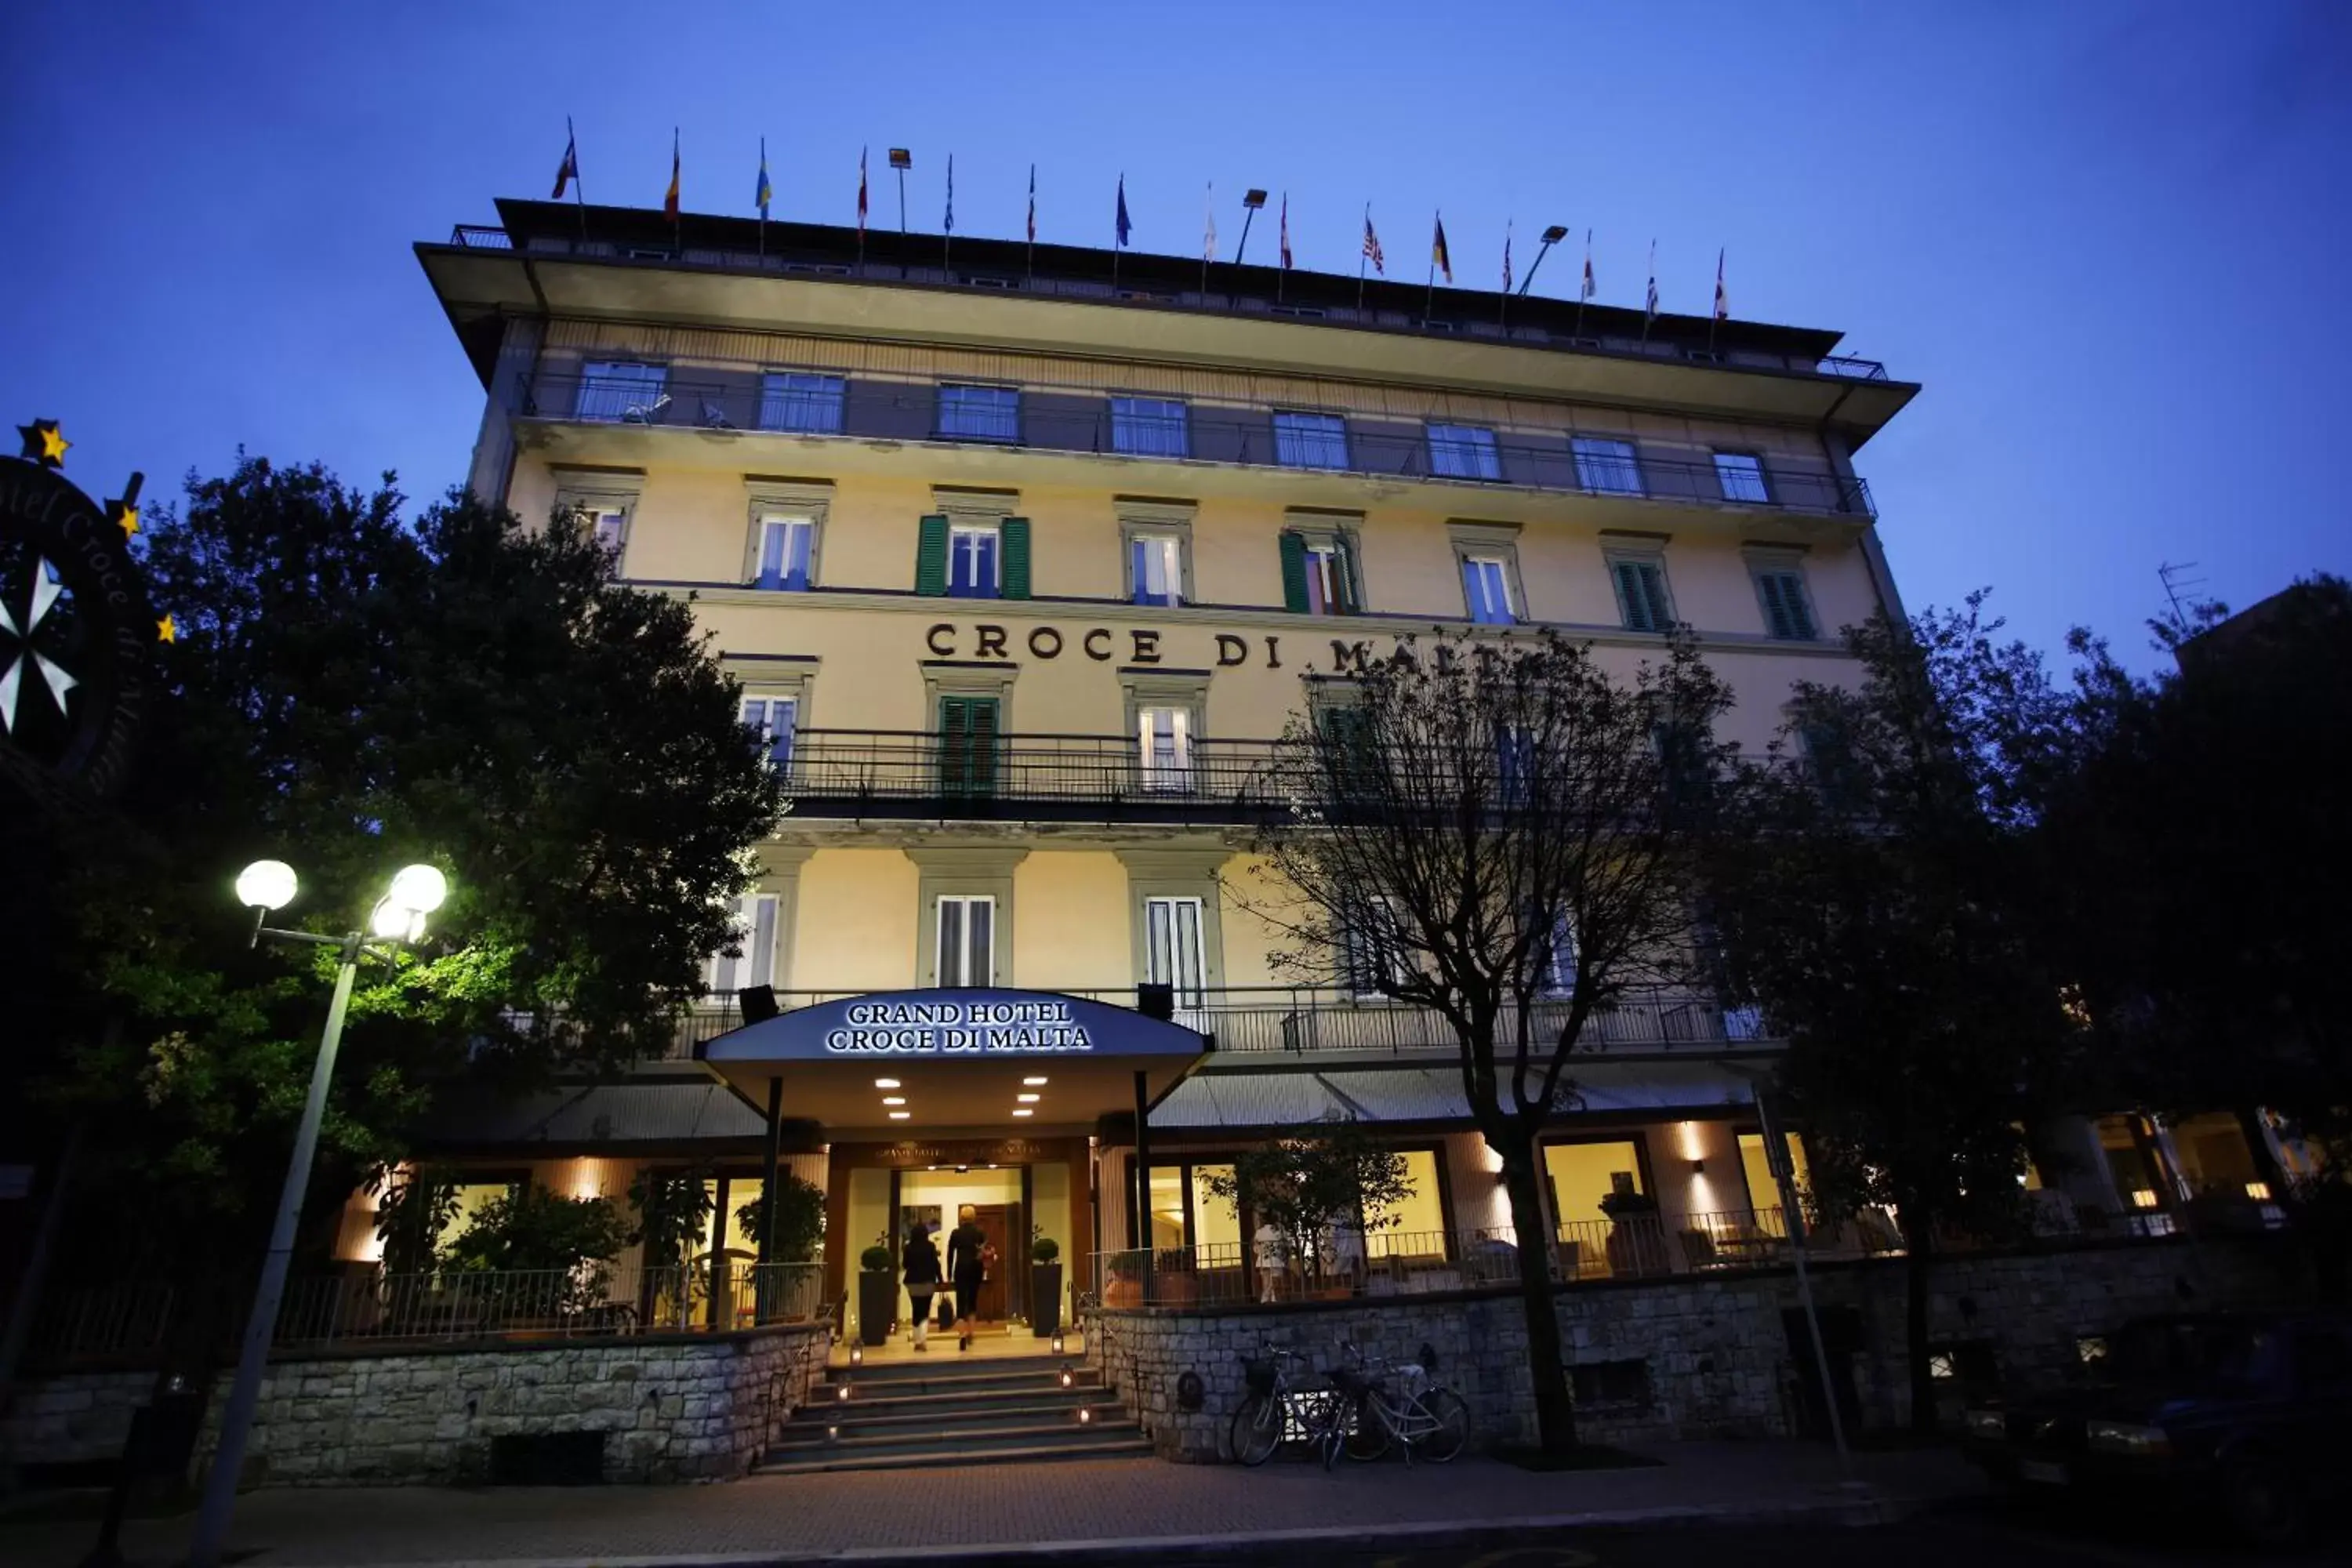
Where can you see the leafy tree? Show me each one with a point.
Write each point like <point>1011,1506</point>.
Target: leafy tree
<point>350,691</point>
<point>1884,918</point>
<point>534,1229</point>
<point>800,1218</point>
<point>1311,1185</point>
<point>1503,833</point>
<point>673,1207</point>
<point>413,1210</point>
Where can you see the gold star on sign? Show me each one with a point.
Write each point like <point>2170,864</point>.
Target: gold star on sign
<point>165,631</point>
<point>125,516</point>
<point>43,444</point>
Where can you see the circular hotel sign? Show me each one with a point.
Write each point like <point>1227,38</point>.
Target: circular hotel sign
<point>76,631</point>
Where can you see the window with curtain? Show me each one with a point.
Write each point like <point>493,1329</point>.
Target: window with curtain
<point>772,720</point>
<point>1607,465</point>
<point>971,560</point>
<point>1741,474</point>
<point>793,400</point>
<point>1310,440</point>
<point>755,964</point>
<point>1172,948</point>
<point>786,546</point>
<point>1487,588</point>
<point>621,389</point>
<point>1148,427</point>
<point>1328,581</point>
<point>1463,452</point>
<point>980,413</point>
<point>1156,569</point>
<point>967,950</point>
<point>1164,748</point>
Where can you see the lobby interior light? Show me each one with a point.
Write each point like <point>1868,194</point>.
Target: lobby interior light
<point>1037,1081</point>
<point>1028,1099</point>
<point>894,1099</point>
<point>900,1115</point>
<point>1023,1111</point>
<point>265,885</point>
<point>885,1083</point>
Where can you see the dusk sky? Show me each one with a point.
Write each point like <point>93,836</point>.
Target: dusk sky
<point>2110,238</point>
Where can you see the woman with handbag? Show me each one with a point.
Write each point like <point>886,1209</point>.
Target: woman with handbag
<point>922,1276</point>
<point>967,1269</point>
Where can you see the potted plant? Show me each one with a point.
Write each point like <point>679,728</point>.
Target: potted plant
<point>1636,1246</point>
<point>1045,1287</point>
<point>877,1294</point>
<point>1318,1191</point>
<point>1173,1280</point>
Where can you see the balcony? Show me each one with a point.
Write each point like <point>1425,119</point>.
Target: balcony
<point>904,774</point>
<point>600,418</point>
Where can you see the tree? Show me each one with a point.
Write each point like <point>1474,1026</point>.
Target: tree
<point>1499,831</point>
<point>1884,916</point>
<point>1309,1186</point>
<point>411,1211</point>
<point>800,1218</point>
<point>350,691</point>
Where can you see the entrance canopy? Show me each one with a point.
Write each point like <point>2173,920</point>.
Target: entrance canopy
<point>901,1061</point>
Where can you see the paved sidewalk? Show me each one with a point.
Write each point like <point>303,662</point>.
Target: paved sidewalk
<point>1153,1507</point>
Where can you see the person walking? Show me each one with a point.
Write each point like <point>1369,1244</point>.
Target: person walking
<point>968,1269</point>
<point>923,1276</point>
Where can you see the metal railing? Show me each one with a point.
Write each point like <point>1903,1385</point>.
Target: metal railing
<point>591,1300</point>
<point>897,773</point>
<point>1215,302</point>
<point>1080,419</point>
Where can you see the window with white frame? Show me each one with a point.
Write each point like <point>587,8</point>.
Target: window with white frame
<point>772,720</point>
<point>1607,465</point>
<point>1463,452</point>
<point>1330,584</point>
<point>755,963</point>
<point>802,400</point>
<point>980,412</point>
<point>1515,763</point>
<point>625,390</point>
<point>1309,440</point>
<point>971,560</point>
<point>967,946</point>
<point>1741,474</point>
<point>787,546</point>
<point>1172,948</point>
<point>1150,427</point>
<point>1555,972</point>
<point>1155,569</point>
<point>1164,747</point>
<point>1487,588</point>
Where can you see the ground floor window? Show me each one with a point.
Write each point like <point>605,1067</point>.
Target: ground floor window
<point>2138,1173</point>
<point>1763,1191</point>
<point>1583,1171</point>
<point>1419,1228</point>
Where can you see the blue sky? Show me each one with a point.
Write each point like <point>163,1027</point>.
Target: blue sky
<point>2107,234</point>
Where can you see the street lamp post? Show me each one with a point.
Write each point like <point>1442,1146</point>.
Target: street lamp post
<point>398,916</point>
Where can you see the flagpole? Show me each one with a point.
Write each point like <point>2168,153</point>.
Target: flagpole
<point>947,239</point>
<point>764,205</point>
<point>579,191</point>
<point>1208,208</point>
<point>1583,284</point>
<point>1715,315</point>
<point>1117,241</point>
<point>1363,254</point>
<point>1650,300</point>
<point>1029,269</point>
<point>1429,300</point>
<point>677,208</point>
<point>1503,310</point>
<point>861,212</point>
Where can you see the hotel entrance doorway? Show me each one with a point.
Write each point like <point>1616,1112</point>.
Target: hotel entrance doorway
<point>933,1199</point>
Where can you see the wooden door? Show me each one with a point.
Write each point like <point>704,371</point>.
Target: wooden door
<point>996,1222</point>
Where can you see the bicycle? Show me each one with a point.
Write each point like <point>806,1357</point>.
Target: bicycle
<point>1275,1408</point>
<point>1428,1418</point>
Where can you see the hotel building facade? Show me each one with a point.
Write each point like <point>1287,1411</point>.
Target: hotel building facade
<point>1022,557</point>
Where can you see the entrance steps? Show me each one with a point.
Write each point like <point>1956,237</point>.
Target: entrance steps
<point>951,1412</point>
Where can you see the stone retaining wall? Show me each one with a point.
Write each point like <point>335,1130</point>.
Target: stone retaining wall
<point>673,1407</point>
<point>1714,1353</point>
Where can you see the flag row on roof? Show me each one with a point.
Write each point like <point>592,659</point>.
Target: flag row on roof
<point>1441,258</point>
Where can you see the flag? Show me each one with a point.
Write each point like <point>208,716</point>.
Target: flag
<point>669,200</point>
<point>1722,305</point>
<point>1650,306</point>
<point>1438,255</point>
<point>1209,212</point>
<point>569,170</point>
<point>764,192</point>
<point>1123,225</point>
<point>951,219</point>
<point>1033,203</point>
<point>1506,256</point>
<point>1286,231</point>
<point>1372,245</point>
<point>1587,266</point>
<point>861,195</point>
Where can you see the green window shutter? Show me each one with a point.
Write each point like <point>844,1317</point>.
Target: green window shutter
<point>1012,575</point>
<point>1294,573</point>
<point>1795,611</point>
<point>968,745</point>
<point>1637,594</point>
<point>931,556</point>
<point>1776,604</point>
<point>1347,575</point>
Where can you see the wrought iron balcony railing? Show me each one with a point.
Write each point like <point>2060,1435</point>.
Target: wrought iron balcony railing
<point>902,774</point>
<point>1077,419</point>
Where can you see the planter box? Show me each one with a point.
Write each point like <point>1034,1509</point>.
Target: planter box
<point>877,1303</point>
<point>1045,1300</point>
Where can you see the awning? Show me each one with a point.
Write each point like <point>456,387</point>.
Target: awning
<point>901,1061</point>
<point>596,1114</point>
<point>1274,1099</point>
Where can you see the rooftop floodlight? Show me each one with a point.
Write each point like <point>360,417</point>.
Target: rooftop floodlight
<point>265,885</point>
<point>1252,199</point>
<point>1550,238</point>
<point>901,159</point>
<point>1555,234</point>
<point>419,888</point>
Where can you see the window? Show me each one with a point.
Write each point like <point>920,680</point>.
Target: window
<point>1788,613</point>
<point>1515,764</point>
<point>971,560</point>
<point>980,413</point>
<point>1155,564</point>
<point>1557,966</point>
<point>1164,746</point>
<point>1418,1219</point>
<point>608,524</point>
<point>1607,465</point>
<point>1741,474</point>
<point>967,947</point>
<point>1581,1174</point>
<point>1763,1187</point>
<point>1835,771</point>
<point>755,932</point>
<point>786,545</point>
<point>791,400</point>
<point>968,745</point>
<point>1310,440</point>
<point>1319,576</point>
<point>1640,583</point>
<point>1487,588</point>
<point>1462,452</point>
<point>1172,947</point>
<point>1148,427</point>
<point>1296,312</point>
<point>624,390</point>
<point>1372,949</point>
<point>772,720</point>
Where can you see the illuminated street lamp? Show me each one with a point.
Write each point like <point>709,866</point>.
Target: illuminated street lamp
<point>397,917</point>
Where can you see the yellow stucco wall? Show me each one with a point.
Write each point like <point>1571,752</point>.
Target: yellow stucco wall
<point>855,927</point>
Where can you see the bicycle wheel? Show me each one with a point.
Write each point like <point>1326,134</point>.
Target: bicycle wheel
<point>1257,1428</point>
<point>1450,1428</point>
<point>1364,1431</point>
